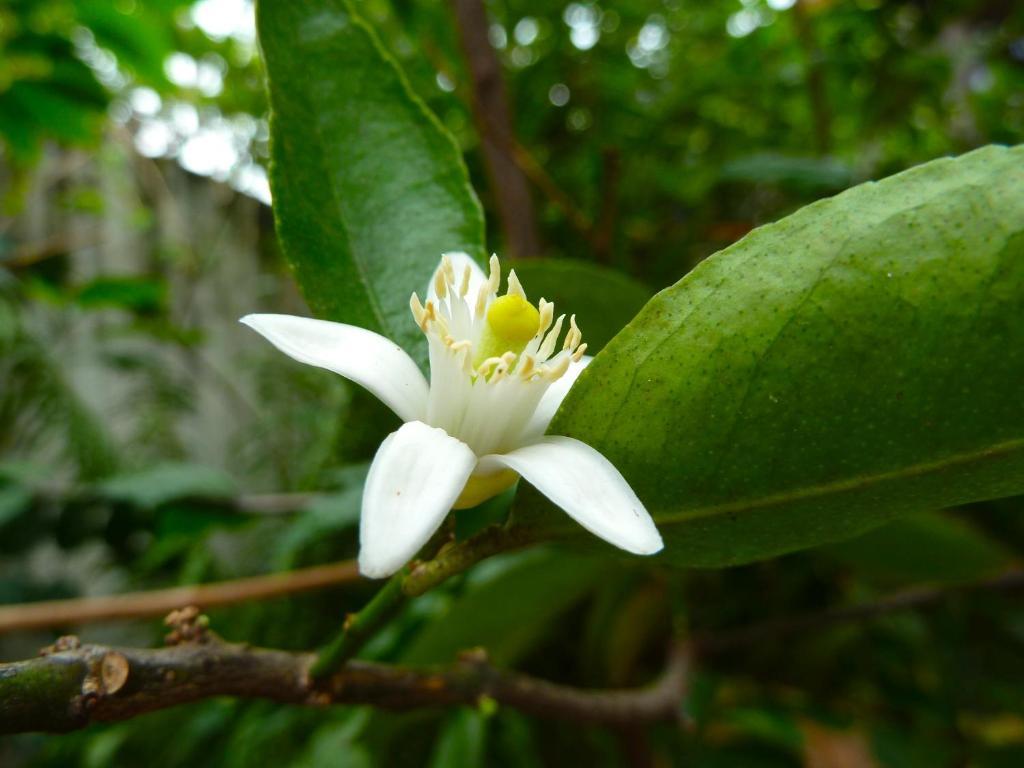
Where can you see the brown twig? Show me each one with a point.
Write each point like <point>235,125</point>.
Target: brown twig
<point>523,158</point>
<point>136,605</point>
<point>491,112</point>
<point>604,231</point>
<point>74,685</point>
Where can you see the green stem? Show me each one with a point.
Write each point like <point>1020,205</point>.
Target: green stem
<point>456,558</point>
<point>449,560</point>
<point>361,627</point>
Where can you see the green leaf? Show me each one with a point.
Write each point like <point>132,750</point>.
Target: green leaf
<point>138,36</point>
<point>509,603</point>
<point>602,299</point>
<point>325,517</point>
<point>167,482</point>
<point>932,546</point>
<point>462,740</point>
<point>827,174</point>
<point>132,293</point>
<point>14,500</point>
<point>369,189</point>
<point>857,360</point>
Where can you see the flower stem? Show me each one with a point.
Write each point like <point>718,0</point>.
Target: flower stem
<point>449,559</point>
<point>360,627</point>
<point>457,557</point>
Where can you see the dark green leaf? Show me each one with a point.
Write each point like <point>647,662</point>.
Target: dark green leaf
<point>14,500</point>
<point>462,740</point>
<point>368,188</point>
<point>824,174</point>
<point>134,293</point>
<point>509,603</point>
<point>859,359</point>
<point>930,546</point>
<point>167,482</point>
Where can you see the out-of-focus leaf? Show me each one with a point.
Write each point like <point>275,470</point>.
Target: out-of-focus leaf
<point>134,293</point>
<point>324,517</point>
<point>59,116</point>
<point>462,741</point>
<point>14,499</point>
<point>931,546</point>
<point>369,189</point>
<point>159,485</point>
<point>337,745</point>
<point>509,604</point>
<point>858,360</point>
<point>771,725</point>
<point>809,173</point>
<point>138,36</point>
<point>602,299</point>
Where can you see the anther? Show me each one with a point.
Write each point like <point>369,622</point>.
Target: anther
<point>547,314</point>
<point>494,279</point>
<point>419,314</point>
<point>440,284</point>
<point>551,339</point>
<point>574,336</point>
<point>554,371</point>
<point>515,288</point>
<point>526,366</point>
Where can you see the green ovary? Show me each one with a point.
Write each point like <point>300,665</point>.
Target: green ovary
<point>511,322</point>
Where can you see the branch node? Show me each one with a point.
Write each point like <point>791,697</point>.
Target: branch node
<point>63,643</point>
<point>188,625</point>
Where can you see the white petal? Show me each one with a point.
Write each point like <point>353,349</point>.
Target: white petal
<point>365,357</point>
<point>459,261</point>
<point>552,399</point>
<point>587,486</point>
<point>416,476</point>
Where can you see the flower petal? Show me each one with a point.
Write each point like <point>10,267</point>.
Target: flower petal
<point>552,399</point>
<point>414,480</point>
<point>362,356</point>
<point>459,261</point>
<point>587,486</point>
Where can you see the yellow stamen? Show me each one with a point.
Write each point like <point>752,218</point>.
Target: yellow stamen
<point>515,288</point>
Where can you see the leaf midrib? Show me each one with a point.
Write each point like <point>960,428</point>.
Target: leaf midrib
<point>856,483</point>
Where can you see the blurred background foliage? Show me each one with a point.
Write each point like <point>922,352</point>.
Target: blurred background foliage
<point>135,413</point>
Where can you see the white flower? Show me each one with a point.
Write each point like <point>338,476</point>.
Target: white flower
<point>496,380</point>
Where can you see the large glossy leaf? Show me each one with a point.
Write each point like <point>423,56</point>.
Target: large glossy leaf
<point>368,188</point>
<point>859,359</point>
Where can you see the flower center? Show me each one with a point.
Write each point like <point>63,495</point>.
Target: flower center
<point>512,322</point>
<point>492,358</point>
